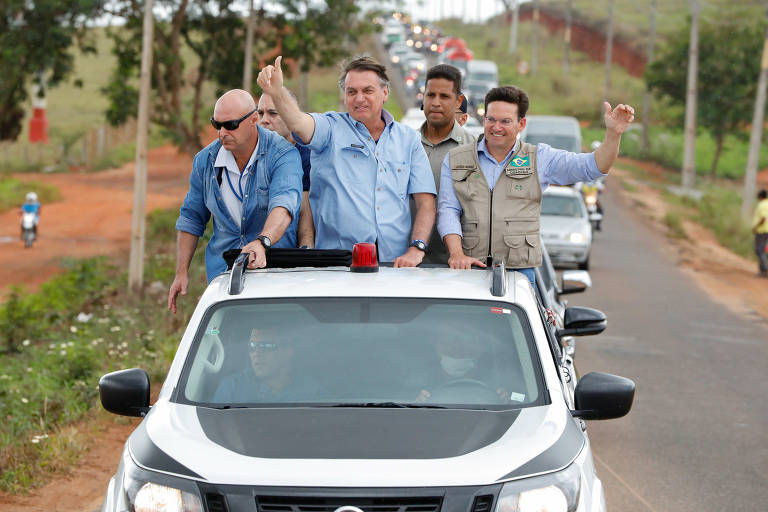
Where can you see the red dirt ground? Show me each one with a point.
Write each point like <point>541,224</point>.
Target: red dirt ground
<point>94,217</point>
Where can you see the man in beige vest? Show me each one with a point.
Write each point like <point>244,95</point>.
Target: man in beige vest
<point>441,133</point>
<point>489,204</point>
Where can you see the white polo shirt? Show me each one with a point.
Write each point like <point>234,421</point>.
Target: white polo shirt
<point>233,182</point>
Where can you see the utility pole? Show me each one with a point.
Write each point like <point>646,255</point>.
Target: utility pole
<point>689,152</point>
<point>567,36</point>
<point>248,62</point>
<point>609,51</point>
<point>750,176</point>
<point>646,145</point>
<point>138,223</point>
<point>535,38</point>
<point>513,27</point>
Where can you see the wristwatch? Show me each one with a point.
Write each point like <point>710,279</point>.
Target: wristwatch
<point>265,241</point>
<point>419,244</point>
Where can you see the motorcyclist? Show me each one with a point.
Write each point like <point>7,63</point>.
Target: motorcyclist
<point>591,192</point>
<point>32,205</point>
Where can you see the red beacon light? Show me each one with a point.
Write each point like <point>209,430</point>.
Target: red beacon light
<point>364,258</point>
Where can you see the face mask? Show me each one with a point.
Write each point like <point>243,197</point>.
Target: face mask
<point>456,367</point>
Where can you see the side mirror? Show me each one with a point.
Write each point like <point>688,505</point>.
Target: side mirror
<point>602,396</point>
<point>125,392</point>
<point>580,321</point>
<point>575,281</point>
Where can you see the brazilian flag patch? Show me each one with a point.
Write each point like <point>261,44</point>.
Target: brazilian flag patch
<point>521,161</point>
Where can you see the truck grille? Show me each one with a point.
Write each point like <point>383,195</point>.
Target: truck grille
<point>330,504</point>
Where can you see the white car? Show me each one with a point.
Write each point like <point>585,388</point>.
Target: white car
<point>365,389</point>
<point>473,126</point>
<point>565,227</point>
<point>413,118</point>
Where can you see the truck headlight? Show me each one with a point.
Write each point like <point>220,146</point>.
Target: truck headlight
<point>577,238</point>
<point>160,498</point>
<point>146,491</point>
<point>556,492</point>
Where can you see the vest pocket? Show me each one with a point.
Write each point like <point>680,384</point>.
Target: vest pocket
<point>523,251</point>
<point>469,242</point>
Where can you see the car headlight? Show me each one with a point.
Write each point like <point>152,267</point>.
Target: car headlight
<point>556,492</point>
<point>577,238</point>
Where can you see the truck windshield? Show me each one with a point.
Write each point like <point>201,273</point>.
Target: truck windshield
<point>363,352</point>
<point>566,142</point>
<point>562,206</point>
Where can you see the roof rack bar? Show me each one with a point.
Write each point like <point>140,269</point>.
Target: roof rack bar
<point>237,277</point>
<point>498,278</point>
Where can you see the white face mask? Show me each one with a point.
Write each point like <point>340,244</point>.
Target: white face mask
<point>456,367</point>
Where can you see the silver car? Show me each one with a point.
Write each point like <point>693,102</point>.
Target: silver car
<point>565,227</point>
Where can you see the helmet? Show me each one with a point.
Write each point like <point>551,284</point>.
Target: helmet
<point>31,197</point>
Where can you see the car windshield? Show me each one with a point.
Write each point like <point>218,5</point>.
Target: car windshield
<point>483,77</point>
<point>563,206</point>
<point>565,142</point>
<point>363,352</point>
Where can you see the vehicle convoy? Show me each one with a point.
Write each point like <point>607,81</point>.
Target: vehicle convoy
<point>360,388</point>
<point>565,226</point>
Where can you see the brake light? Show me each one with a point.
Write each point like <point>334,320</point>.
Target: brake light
<point>364,258</point>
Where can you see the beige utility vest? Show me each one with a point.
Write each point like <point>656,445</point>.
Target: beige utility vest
<point>504,222</point>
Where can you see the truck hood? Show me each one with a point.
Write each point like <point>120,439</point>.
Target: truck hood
<point>352,447</point>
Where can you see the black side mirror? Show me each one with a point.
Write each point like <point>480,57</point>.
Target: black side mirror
<point>602,396</point>
<point>575,281</point>
<point>581,321</point>
<point>125,392</point>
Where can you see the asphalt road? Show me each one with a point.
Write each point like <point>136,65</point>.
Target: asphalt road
<point>697,436</point>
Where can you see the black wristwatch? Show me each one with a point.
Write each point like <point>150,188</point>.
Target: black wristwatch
<point>419,244</point>
<point>265,241</point>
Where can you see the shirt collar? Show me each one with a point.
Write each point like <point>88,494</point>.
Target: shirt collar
<point>482,148</point>
<point>225,158</point>
<point>457,134</point>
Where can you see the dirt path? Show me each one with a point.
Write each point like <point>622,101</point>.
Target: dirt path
<point>94,217</point>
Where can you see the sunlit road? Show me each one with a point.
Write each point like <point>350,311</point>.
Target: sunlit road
<point>697,437</point>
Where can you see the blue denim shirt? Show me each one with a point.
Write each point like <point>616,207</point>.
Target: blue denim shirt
<point>277,182</point>
<point>360,187</point>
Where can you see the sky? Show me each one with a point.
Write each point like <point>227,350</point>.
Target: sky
<point>471,10</point>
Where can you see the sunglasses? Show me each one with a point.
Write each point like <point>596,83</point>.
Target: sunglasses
<point>232,124</point>
<point>263,346</point>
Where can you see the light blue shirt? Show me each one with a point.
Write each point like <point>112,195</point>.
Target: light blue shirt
<point>360,188</point>
<point>554,167</point>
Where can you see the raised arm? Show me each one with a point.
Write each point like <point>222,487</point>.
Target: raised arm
<point>270,80</point>
<point>616,122</point>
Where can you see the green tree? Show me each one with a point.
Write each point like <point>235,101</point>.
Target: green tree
<point>36,38</point>
<point>209,29</point>
<point>729,65</point>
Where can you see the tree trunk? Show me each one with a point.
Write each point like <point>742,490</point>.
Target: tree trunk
<point>609,51</point>
<point>719,142</point>
<point>535,38</point>
<point>567,37</point>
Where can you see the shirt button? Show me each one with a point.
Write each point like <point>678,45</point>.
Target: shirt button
<point>378,188</point>
<point>398,170</point>
<point>378,207</point>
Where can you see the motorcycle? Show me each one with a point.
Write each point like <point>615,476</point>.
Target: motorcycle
<point>28,228</point>
<point>593,208</point>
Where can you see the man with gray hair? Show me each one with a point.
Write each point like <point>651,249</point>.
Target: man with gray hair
<point>249,181</point>
<point>364,166</point>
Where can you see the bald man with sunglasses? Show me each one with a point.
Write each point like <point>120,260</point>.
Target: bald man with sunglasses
<point>249,181</point>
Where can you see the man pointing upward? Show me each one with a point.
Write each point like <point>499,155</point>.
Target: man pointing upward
<point>364,166</point>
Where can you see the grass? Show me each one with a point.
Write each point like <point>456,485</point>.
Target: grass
<point>674,222</point>
<point>56,343</point>
<point>13,192</point>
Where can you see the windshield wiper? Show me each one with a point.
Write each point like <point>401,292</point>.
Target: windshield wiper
<point>388,405</point>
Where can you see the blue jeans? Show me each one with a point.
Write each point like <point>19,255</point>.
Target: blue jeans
<point>529,273</point>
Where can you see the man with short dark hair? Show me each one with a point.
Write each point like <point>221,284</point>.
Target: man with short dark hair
<point>364,166</point>
<point>249,181</point>
<point>440,133</point>
<point>760,230</point>
<point>490,192</point>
